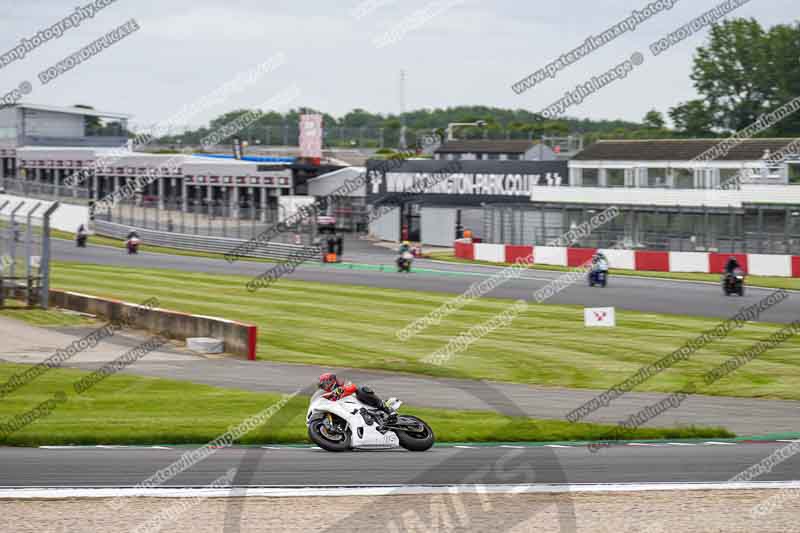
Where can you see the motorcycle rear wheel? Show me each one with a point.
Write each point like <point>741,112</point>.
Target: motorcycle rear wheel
<point>317,433</point>
<point>415,441</point>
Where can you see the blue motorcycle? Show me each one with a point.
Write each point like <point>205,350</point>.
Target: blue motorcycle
<point>598,275</point>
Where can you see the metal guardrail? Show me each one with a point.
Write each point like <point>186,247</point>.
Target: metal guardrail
<point>198,243</point>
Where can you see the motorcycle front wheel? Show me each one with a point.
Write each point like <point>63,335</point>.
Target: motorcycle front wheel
<point>417,436</point>
<point>332,441</point>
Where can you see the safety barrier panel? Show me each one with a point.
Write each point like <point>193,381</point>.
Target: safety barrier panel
<point>494,253</point>
<point>770,265</point>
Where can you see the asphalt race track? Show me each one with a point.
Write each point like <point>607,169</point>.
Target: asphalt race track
<point>638,294</point>
<point>125,467</point>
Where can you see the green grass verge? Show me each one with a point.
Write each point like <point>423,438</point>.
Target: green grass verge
<point>136,410</point>
<point>39,317</point>
<point>354,326</point>
<point>119,243</point>
<point>755,281</point>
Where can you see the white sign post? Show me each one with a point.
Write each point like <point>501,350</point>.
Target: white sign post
<point>599,317</point>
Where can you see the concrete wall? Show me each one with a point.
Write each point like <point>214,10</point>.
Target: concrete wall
<point>66,218</point>
<point>240,339</point>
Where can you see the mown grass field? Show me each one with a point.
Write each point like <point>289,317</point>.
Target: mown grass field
<point>135,410</point>
<point>39,317</point>
<point>755,281</point>
<point>338,325</point>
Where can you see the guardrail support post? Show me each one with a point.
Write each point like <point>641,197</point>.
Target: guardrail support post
<point>44,265</point>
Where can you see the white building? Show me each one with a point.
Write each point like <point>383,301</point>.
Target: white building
<point>41,146</point>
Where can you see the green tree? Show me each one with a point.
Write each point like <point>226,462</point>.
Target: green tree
<point>693,119</point>
<point>654,119</point>
<point>732,73</point>
<point>783,71</point>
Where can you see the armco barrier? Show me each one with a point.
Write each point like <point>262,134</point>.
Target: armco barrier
<point>494,253</point>
<point>770,265</point>
<point>579,256</point>
<point>717,262</point>
<point>652,261</point>
<point>625,259</point>
<point>197,243</point>
<point>644,260</point>
<point>688,262</point>
<point>549,255</point>
<point>240,339</point>
<point>519,253</point>
<point>465,249</point>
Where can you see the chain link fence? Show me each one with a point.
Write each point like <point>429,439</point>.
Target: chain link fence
<point>25,250</point>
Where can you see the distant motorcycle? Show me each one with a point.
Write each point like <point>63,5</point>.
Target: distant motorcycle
<point>80,240</point>
<point>133,245</point>
<point>358,423</point>
<point>598,275</point>
<point>733,282</point>
<point>404,262</point>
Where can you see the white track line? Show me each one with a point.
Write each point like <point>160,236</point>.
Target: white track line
<point>284,492</point>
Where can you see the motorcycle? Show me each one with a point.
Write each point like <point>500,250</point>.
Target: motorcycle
<point>357,422</point>
<point>133,245</point>
<point>598,275</point>
<point>80,240</point>
<point>404,262</point>
<point>733,282</point>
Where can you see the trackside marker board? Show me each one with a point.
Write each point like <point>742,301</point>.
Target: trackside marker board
<point>599,317</point>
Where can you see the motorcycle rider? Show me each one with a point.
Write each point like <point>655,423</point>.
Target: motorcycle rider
<point>599,261</point>
<point>404,254</point>
<point>336,389</point>
<point>81,236</point>
<point>731,265</point>
<point>132,246</point>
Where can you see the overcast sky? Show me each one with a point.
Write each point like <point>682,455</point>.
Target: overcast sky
<point>470,53</point>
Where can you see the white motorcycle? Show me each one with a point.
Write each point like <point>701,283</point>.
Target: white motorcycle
<point>357,422</point>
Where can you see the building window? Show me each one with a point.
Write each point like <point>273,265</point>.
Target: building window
<point>494,157</point>
<point>615,177</point>
<point>730,175</point>
<point>684,178</point>
<point>794,173</point>
<point>513,157</point>
<point>657,177</point>
<point>591,177</point>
